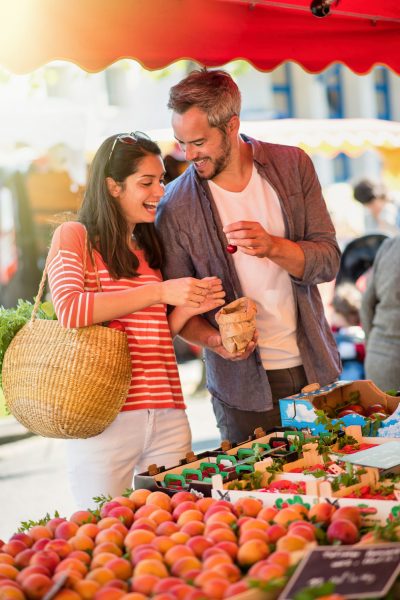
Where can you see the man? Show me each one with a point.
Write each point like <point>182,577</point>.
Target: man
<point>381,215</point>
<point>266,200</point>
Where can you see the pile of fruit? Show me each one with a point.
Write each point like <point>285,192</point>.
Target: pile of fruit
<point>149,545</point>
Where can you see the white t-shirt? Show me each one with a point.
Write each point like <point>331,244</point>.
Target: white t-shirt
<point>262,280</point>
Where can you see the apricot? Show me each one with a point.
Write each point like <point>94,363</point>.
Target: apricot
<point>216,559</point>
<point>82,556</point>
<point>65,530</point>
<point>28,571</point>
<point>54,523</point>
<point>180,537</point>
<point>81,542</point>
<point>143,523</point>
<point>46,558</point>
<point>216,587</point>
<point>8,571</point>
<point>188,516</point>
<point>109,593</point>
<point>229,571</point>
<point>182,507</point>
<point>109,547</point>
<point>304,529</point>
<point>69,578</point>
<point>230,548</point>
<point>266,572</point>
<point>7,559</point>
<point>110,535</point>
<point>62,547</point>
<point>145,511</point>
<point>136,596</point>
<point>180,497</point>
<point>321,512</point>
<point>35,586</point>
<point>123,513</point>
<point>159,499</point>
<point>185,564</point>
<point>40,531</point>
<point>71,564</point>
<point>23,558</point>
<point>204,504</point>
<point>253,534</point>
<point>193,528</point>
<point>198,544</point>
<point>222,535</point>
<point>125,501</point>
<point>251,552</point>
<point>137,537</point>
<point>120,527</point>
<point>351,513</point>
<point>141,553</point>
<point>14,547</point>
<point>221,517</point>
<point>160,516</point>
<point>267,513</point>
<point>177,552</point>
<point>80,517</point>
<point>165,584</point>
<point>10,592</point>
<point>252,523</point>
<point>107,522</point>
<point>280,557</point>
<point>150,566</point>
<point>167,528</point>
<point>100,574</point>
<point>237,588</point>
<point>120,566</point>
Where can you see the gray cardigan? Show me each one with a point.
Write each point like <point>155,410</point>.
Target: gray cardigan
<point>194,245</point>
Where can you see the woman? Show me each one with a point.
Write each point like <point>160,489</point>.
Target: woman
<point>380,317</point>
<point>124,187</point>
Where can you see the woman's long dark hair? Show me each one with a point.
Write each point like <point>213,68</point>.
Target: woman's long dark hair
<point>101,214</point>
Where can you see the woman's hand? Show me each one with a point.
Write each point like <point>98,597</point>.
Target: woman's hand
<point>198,295</point>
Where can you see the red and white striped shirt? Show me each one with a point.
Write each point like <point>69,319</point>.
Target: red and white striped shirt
<point>155,379</point>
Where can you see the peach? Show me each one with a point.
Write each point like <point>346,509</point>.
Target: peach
<point>301,509</point>
<point>214,508</point>
<point>221,517</point>
<point>275,531</point>
<point>80,517</point>
<point>142,553</point>
<point>145,584</point>
<point>54,523</point>
<point>120,566</point>
<point>150,566</point>
<point>66,530</point>
<point>222,535</point>
<point>291,542</point>
<point>123,513</point>
<point>23,558</point>
<point>8,571</point>
<point>280,557</point>
<point>10,592</point>
<point>251,552</point>
<point>29,571</point>
<point>215,525</point>
<point>342,531</point>
<point>230,548</point>
<point>145,511</point>
<point>66,595</point>
<point>252,523</point>
<point>162,543</point>
<point>321,512</point>
<point>107,523</point>
<point>212,551</point>
<point>253,534</point>
<point>159,499</point>
<point>23,537</point>
<point>236,588</point>
<point>160,516</point>
<point>139,497</point>
<point>180,537</point>
<point>138,596</point>
<point>266,572</point>
<point>35,586</point>
<point>124,501</point>
<point>90,529</point>
<point>198,544</point>
<point>40,531</point>
<point>177,552</point>
<point>120,527</point>
<point>81,542</point>
<point>181,590</point>
<point>248,506</point>
<point>7,559</point>
<point>182,507</point>
<point>216,587</point>
<point>193,528</point>
<point>188,516</point>
<point>46,558</point>
<point>101,559</point>
<point>204,504</point>
<point>40,544</point>
<point>229,571</point>
<point>62,547</point>
<point>86,588</point>
<point>107,506</point>
<point>107,547</point>
<point>217,559</point>
<point>180,497</point>
<point>305,529</point>
<point>82,556</point>
<point>144,523</point>
<point>286,516</point>
<point>14,547</point>
<point>100,574</point>
<point>167,528</point>
<point>184,565</point>
<point>137,537</point>
<point>109,593</point>
<point>72,564</point>
<point>166,584</point>
<point>351,513</point>
<point>110,535</point>
<point>68,578</point>
<point>267,513</point>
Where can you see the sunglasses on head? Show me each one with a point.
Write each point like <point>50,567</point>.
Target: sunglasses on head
<point>135,137</point>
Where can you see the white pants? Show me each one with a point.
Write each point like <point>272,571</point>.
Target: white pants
<point>106,463</point>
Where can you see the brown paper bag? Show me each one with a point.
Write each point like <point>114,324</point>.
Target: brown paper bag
<point>237,322</point>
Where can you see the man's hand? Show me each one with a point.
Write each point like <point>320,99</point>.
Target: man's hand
<point>214,343</point>
<point>250,237</point>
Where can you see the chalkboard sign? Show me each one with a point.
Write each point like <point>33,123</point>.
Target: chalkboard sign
<point>357,572</point>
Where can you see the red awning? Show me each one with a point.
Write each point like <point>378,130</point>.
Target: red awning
<point>96,33</point>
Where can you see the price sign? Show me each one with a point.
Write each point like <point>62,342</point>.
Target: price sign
<point>357,572</point>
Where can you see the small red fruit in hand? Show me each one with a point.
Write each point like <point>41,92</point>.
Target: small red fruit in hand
<point>116,325</point>
<point>231,248</point>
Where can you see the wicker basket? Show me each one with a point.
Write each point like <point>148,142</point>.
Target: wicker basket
<point>66,383</point>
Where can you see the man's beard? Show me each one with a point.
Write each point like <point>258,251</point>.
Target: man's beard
<point>220,163</point>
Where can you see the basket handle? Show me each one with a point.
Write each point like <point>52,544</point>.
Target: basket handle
<point>42,284</point>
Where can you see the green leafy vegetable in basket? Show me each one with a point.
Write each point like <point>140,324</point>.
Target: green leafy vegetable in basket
<point>13,319</point>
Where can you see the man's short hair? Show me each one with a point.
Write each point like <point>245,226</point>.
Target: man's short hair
<point>214,92</point>
<point>367,190</point>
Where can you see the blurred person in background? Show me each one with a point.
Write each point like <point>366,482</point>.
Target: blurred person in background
<point>380,317</point>
<point>381,214</point>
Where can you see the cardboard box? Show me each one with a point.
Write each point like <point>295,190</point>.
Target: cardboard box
<point>299,410</point>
